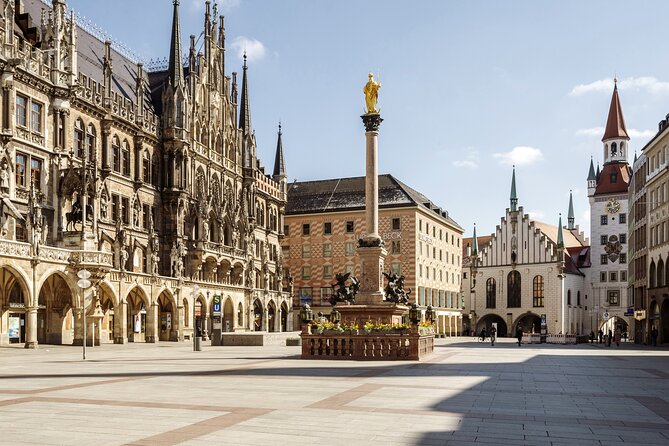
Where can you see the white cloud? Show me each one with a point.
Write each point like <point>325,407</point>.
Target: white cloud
<point>536,214</point>
<point>255,49</point>
<point>648,83</point>
<point>471,160</point>
<point>598,132</point>
<point>520,156</point>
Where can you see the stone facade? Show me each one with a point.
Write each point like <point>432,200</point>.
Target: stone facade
<point>148,179</point>
<point>325,219</point>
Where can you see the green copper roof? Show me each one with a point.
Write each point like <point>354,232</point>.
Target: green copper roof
<point>591,172</point>
<point>514,196</point>
<point>475,243</point>
<point>570,216</point>
<point>560,237</point>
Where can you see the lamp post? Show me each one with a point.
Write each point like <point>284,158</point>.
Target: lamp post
<point>307,315</point>
<point>84,283</point>
<point>414,314</point>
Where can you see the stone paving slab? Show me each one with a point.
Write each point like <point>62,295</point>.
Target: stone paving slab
<point>466,393</point>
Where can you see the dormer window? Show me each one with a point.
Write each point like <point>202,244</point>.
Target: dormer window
<point>614,177</point>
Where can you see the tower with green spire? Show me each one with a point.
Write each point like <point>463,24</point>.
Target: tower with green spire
<point>570,216</point>
<point>514,197</point>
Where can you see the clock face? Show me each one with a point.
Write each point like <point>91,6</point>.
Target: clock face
<point>613,206</point>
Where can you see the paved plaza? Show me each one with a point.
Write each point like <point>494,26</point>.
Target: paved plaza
<point>145,394</point>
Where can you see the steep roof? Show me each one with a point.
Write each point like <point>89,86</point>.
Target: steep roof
<point>621,172</point>
<point>615,124</point>
<point>348,194</point>
<point>551,231</point>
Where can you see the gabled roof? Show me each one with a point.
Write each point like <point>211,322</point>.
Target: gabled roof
<point>570,240</point>
<point>615,124</point>
<point>619,171</point>
<point>348,194</point>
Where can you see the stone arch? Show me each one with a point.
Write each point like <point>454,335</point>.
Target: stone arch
<point>487,321</point>
<point>200,314</point>
<point>660,273</point>
<point>258,315</point>
<point>113,316</point>
<point>529,322</point>
<point>138,307</point>
<point>652,283</point>
<point>283,323</point>
<point>55,316</point>
<point>272,316</point>
<point>228,315</point>
<point>167,317</point>
<point>240,315</point>
<point>20,278</point>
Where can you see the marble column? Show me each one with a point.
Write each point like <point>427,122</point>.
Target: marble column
<point>31,327</point>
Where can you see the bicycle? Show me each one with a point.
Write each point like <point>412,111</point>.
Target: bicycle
<point>482,338</point>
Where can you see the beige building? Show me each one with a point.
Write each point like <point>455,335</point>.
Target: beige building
<point>148,179</point>
<point>326,218</point>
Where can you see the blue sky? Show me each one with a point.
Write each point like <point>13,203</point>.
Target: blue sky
<point>468,87</point>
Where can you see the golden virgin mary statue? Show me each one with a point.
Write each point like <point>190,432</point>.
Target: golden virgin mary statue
<point>371,91</point>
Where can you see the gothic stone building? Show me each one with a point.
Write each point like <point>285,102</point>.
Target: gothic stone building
<point>147,179</point>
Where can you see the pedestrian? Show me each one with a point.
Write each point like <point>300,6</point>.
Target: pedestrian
<point>610,338</point>
<point>625,336</point>
<point>616,336</point>
<point>483,334</point>
<point>519,335</point>
<point>653,336</point>
<point>592,337</point>
<point>601,335</point>
<point>493,332</point>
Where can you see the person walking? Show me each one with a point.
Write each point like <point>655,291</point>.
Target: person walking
<point>592,337</point>
<point>616,336</point>
<point>493,332</point>
<point>609,338</point>
<point>653,336</point>
<point>601,335</point>
<point>519,335</point>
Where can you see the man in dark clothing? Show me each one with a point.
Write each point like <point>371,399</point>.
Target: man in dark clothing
<point>653,336</point>
<point>519,335</point>
<point>493,332</point>
<point>592,337</point>
<point>610,338</point>
<point>601,335</point>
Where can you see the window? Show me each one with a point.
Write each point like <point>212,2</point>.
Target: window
<point>604,239</point>
<point>327,249</point>
<point>513,289</point>
<point>623,276</point>
<point>396,268</point>
<point>349,249</point>
<point>420,270</point>
<point>623,238</point>
<point>603,220</point>
<point>427,272</point>
<point>36,172</point>
<point>614,297</point>
<point>613,276</point>
<point>21,165</point>
<point>491,293</point>
<point>79,138</point>
<point>305,229</point>
<point>327,228</point>
<point>145,216</point>
<point>286,229</point>
<point>326,292</point>
<point>614,177</point>
<point>420,248</point>
<point>115,208</point>
<point>306,296</point>
<point>306,272</point>
<point>420,225</point>
<point>90,142</point>
<point>538,291</point>
<point>146,169</point>
<point>327,271</point>
<point>36,117</point>
<point>568,297</point>
<point>578,298</point>
<point>622,218</point>
<point>623,258</point>
<point>116,155</point>
<point>395,247</point>
<point>604,259</point>
<point>602,276</point>
<point>396,223</point>
<point>306,251</point>
<point>440,254</point>
<point>350,227</point>
<point>125,158</point>
<point>125,210</point>
<point>427,228</point>
<point>21,110</point>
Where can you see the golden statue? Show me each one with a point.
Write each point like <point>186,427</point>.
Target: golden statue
<point>371,91</point>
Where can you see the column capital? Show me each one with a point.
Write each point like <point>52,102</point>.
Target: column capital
<point>372,121</point>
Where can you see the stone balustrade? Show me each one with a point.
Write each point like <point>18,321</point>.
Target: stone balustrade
<point>11,248</point>
<point>371,347</point>
<point>561,339</point>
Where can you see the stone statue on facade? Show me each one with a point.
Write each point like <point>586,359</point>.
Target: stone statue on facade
<point>395,291</point>
<point>123,255</point>
<point>250,267</point>
<point>345,289</point>
<point>371,91</point>
<point>4,177</point>
<point>137,210</point>
<point>104,204</point>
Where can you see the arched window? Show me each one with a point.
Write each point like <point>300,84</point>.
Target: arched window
<point>614,149</point>
<point>116,154</point>
<point>513,290</point>
<point>491,293</point>
<point>538,291</point>
<point>578,298</point>
<point>651,275</point>
<point>186,315</point>
<point>660,273</point>
<point>125,158</point>
<point>90,142</point>
<point>622,149</point>
<point>79,135</point>
<point>568,297</point>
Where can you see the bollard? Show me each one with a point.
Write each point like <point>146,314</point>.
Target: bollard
<point>197,344</point>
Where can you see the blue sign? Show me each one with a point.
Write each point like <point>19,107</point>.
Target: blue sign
<point>629,312</point>
<point>217,308</point>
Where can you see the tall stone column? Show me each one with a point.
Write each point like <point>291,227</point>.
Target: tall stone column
<point>121,322</point>
<point>31,327</point>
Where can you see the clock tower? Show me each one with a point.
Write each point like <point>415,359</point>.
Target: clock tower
<point>607,191</point>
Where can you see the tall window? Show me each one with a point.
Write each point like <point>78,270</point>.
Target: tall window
<point>21,110</point>
<point>90,142</point>
<point>36,117</point>
<point>327,228</point>
<point>538,291</point>
<point>21,162</point>
<point>146,168</point>
<point>116,155</point>
<point>513,290</point>
<point>36,172</point>
<point>125,210</point>
<point>327,249</point>
<point>350,226</point>
<point>79,138</point>
<point>395,247</point>
<point>125,158</point>
<point>491,293</point>
<point>568,297</point>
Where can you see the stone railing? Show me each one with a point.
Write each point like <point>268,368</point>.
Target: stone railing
<point>92,258</point>
<point>371,347</point>
<point>53,254</point>
<point>15,249</point>
<point>561,339</point>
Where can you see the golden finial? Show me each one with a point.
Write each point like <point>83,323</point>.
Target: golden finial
<point>371,91</point>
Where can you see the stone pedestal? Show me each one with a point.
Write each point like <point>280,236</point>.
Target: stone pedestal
<point>380,313</point>
<point>371,280</point>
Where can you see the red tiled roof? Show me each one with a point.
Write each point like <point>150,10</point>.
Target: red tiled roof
<point>622,176</point>
<point>615,124</point>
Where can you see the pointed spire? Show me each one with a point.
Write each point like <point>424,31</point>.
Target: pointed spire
<point>279,163</point>
<point>514,197</point>
<point>635,157</point>
<point>615,124</point>
<point>175,68</point>
<point>591,172</point>
<point>570,216</point>
<point>560,238</point>
<point>475,243</point>
<point>244,112</point>
<point>598,172</point>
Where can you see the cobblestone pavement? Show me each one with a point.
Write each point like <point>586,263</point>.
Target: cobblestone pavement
<point>466,393</point>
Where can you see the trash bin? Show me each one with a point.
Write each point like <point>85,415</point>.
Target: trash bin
<point>197,345</point>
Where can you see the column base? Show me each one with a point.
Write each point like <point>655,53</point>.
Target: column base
<point>151,339</point>
<point>120,340</point>
<point>32,344</point>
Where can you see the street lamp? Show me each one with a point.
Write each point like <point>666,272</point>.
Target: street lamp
<point>306,314</point>
<point>429,314</point>
<point>414,313</point>
<point>84,283</point>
